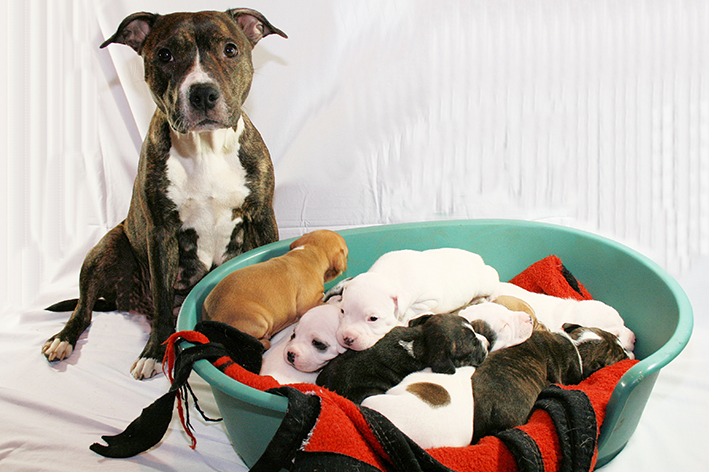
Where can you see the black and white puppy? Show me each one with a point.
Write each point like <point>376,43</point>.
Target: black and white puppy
<point>441,342</point>
<point>508,383</point>
<point>597,348</point>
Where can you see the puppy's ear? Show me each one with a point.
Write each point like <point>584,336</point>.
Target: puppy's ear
<point>570,327</point>
<point>301,241</point>
<point>402,302</point>
<point>133,30</point>
<point>483,328</point>
<point>419,320</point>
<point>338,264</point>
<point>514,304</point>
<point>442,364</point>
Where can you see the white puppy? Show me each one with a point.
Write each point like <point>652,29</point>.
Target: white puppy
<point>553,312</point>
<point>406,283</point>
<point>275,365</point>
<point>434,410</point>
<point>298,352</point>
<point>314,341</point>
<point>510,327</point>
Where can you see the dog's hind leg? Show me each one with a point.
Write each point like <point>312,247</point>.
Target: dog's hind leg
<point>98,278</point>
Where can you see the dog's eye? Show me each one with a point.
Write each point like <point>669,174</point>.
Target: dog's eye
<point>292,336</point>
<point>164,55</point>
<point>372,319</point>
<point>230,50</point>
<point>320,346</point>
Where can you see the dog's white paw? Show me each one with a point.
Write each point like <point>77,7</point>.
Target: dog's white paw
<point>144,368</point>
<point>57,350</point>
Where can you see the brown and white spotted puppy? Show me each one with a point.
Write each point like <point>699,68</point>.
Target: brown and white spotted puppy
<point>508,383</point>
<point>204,188</point>
<point>435,410</point>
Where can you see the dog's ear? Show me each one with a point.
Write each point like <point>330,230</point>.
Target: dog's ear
<point>570,327</point>
<point>133,30</point>
<point>442,364</point>
<point>514,304</point>
<point>338,264</point>
<point>254,24</point>
<point>301,241</point>
<point>419,320</point>
<point>402,302</point>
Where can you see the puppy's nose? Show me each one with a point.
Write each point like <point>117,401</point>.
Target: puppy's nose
<point>204,96</point>
<point>348,341</point>
<point>291,356</point>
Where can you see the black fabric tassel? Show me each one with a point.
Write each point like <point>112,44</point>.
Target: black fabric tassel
<point>149,428</point>
<point>143,433</point>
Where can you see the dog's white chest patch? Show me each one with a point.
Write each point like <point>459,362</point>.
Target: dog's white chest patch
<point>207,182</point>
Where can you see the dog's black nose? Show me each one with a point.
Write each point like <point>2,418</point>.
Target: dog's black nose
<point>348,341</point>
<point>291,357</point>
<point>204,96</point>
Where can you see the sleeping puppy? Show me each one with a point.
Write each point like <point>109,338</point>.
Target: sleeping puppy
<point>314,341</point>
<point>597,348</point>
<point>403,284</point>
<point>264,298</point>
<point>299,352</point>
<point>441,342</point>
<point>274,360</point>
<point>502,326</point>
<point>553,312</point>
<point>435,410</point>
<point>508,383</point>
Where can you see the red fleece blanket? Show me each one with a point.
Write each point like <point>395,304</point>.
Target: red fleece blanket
<point>324,431</point>
<point>343,428</point>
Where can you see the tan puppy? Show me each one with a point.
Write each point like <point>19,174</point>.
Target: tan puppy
<point>264,298</point>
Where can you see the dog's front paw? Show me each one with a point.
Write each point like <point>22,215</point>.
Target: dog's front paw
<point>56,350</point>
<point>145,367</point>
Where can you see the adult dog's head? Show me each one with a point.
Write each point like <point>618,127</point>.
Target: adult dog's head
<point>197,65</point>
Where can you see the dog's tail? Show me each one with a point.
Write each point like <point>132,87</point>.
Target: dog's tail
<point>69,305</point>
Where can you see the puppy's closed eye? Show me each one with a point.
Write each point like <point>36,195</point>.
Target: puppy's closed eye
<point>320,346</point>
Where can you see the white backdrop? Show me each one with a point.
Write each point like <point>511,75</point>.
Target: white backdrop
<point>588,114</point>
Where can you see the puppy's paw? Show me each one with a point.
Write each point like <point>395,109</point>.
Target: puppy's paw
<point>56,350</point>
<point>144,368</point>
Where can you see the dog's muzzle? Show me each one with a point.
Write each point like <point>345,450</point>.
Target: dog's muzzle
<point>204,97</point>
